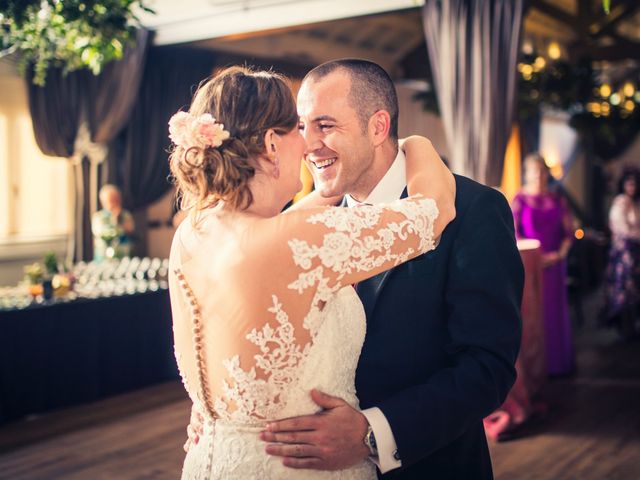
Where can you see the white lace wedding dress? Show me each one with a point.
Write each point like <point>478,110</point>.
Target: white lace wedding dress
<point>265,311</point>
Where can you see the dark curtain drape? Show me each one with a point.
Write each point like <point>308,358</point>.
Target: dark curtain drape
<point>106,117</point>
<point>56,110</point>
<point>75,115</point>
<point>473,49</point>
<point>139,159</point>
<point>530,128</point>
<point>118,81</point>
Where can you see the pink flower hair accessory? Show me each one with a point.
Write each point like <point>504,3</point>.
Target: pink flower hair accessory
<point>187,131</point>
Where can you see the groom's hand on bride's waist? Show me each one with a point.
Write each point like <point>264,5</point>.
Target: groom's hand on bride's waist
<point>329,440</point>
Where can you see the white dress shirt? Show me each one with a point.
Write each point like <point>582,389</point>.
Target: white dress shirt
<point>389,189</point>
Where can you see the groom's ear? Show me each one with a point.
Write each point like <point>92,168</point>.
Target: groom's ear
<point>379,126</point>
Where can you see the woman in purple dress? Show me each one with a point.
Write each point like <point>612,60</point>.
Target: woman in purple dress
<point>623,272</point>
<point>543,215</point>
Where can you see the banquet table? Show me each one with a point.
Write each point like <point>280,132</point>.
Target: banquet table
<point>68,353</point>
<point>520,405</point>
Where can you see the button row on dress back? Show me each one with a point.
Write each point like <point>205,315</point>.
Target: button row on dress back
<point>198,343</point>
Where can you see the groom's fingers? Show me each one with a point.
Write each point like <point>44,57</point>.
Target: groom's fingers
<point>288,437</point>
<point>310,462</point>
<point>293,451</point>
<point>326,401</point>
<point>295,424</point>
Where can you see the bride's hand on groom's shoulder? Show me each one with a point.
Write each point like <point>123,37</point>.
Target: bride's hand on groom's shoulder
<point>329,440</point>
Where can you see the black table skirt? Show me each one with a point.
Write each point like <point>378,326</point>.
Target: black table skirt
<point>67,354</point>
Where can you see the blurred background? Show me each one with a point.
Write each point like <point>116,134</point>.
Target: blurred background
<point>539,99</point>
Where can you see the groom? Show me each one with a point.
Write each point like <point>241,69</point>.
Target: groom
<point>443,330</point>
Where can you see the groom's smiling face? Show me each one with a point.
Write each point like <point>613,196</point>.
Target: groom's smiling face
<point>339,151</point>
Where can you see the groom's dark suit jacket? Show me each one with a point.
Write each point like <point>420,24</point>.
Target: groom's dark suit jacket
<point>443,333</point>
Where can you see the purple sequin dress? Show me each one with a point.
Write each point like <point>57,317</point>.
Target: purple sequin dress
<point>545,217</point>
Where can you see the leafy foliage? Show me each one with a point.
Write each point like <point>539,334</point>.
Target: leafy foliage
<point>555,84</point>
<point>608,126</point>
<point>607,121</point>
<point>71,34</point>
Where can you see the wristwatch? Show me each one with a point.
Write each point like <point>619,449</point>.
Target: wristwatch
<point>370,442</point>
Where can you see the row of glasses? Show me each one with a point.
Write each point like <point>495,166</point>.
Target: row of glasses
<point>109,277</point>
<point>15,297</point>
<point>120,277</point>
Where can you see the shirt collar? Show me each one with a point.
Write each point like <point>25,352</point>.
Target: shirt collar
<point>390,187</point>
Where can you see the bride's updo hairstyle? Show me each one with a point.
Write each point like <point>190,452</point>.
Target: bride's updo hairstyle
<point>218,142</point>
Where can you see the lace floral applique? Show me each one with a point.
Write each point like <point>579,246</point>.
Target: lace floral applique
<point>345,250</point>
<point>280,356</point>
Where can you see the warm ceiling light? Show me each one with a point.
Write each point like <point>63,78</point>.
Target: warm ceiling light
<point>527,71</point>
<point>629,105</point>
<point>579,234</point>
<point>539,63</point>
<point>554,51</point>
<point>628,89</point>
<point>605,90</point>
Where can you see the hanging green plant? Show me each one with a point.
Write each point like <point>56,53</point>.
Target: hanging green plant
<point>71,34</point>
<point>607,116</point>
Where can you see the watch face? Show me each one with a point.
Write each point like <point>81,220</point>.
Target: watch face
<point>372,440</point>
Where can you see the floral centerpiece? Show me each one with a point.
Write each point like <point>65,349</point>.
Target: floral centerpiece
<point>33,275</point>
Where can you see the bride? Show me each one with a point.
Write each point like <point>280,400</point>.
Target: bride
<point>262,301</point>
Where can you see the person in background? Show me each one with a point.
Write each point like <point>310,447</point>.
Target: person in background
<point>112,226</point>
<point>542,214</point>
<point>623,271</point>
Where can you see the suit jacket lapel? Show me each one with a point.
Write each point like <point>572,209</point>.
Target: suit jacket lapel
<point>369,290</point>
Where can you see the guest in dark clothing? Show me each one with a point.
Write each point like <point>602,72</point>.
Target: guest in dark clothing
<point>623,271</point>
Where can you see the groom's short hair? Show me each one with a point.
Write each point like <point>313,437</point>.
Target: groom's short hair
<point>371,89</point>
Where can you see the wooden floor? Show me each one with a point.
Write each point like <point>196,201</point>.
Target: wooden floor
<point>592,430</point>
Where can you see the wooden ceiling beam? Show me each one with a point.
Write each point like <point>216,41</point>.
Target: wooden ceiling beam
<point>554,12</point>
<point>620,11</point>
<point>619,51</point>
<point>584,16</point>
